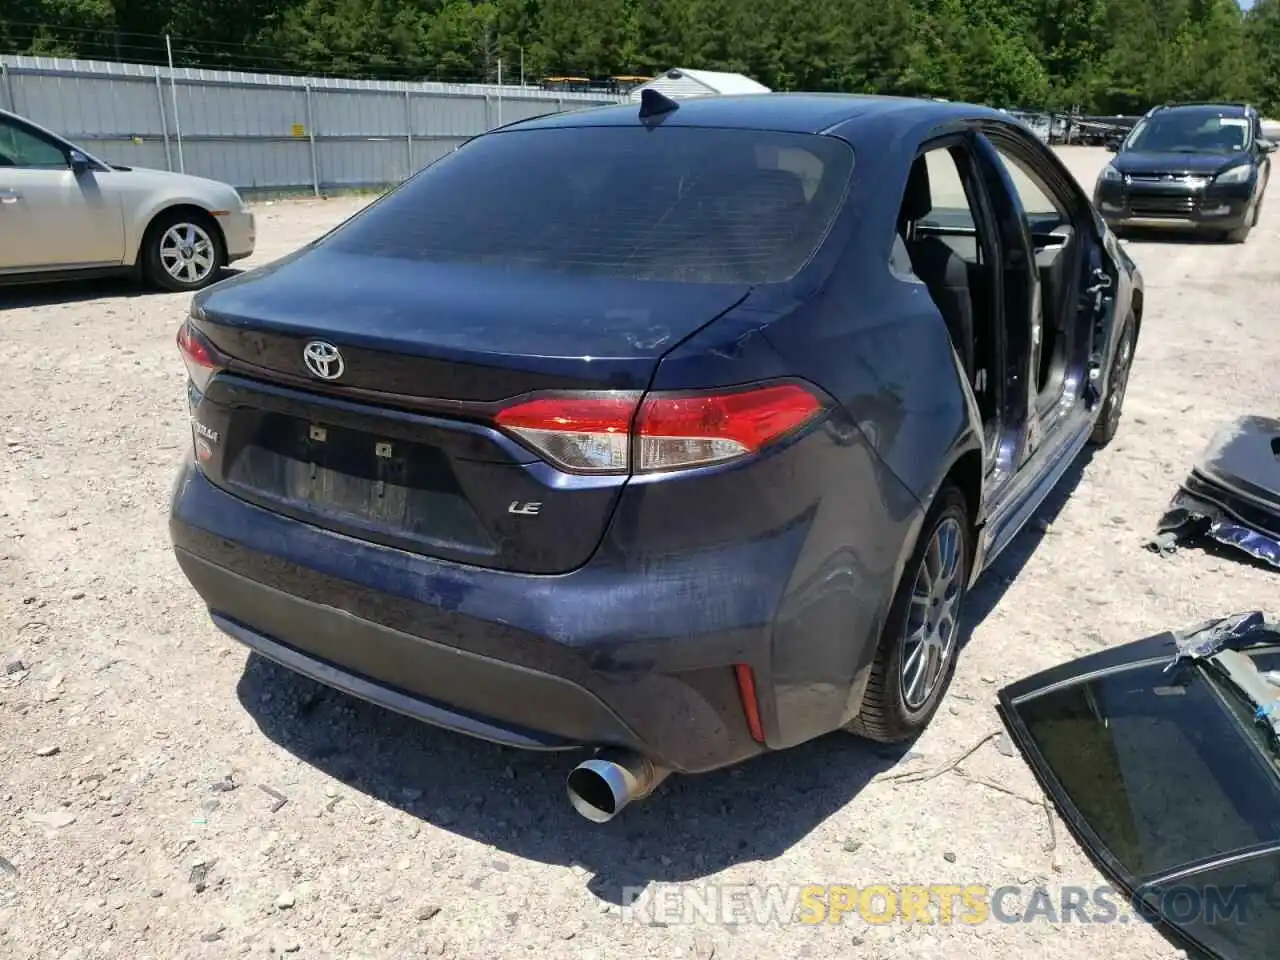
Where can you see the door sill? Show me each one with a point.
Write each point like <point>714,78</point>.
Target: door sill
<point>52,274</point>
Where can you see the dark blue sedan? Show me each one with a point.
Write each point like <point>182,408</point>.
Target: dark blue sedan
<point>675,431</point>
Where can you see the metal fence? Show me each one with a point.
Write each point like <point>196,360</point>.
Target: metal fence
<point>264,133</point>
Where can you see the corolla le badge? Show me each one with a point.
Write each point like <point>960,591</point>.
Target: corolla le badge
<point>323,360</point>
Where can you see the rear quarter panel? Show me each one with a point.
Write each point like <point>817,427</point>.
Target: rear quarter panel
<point>878,345</point>
<point>845,516</point>
<point>875,340</point>
<point>880,348</point>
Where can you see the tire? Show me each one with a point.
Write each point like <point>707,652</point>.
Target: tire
<point>1257,205</point>
<point>183,251</point>
<point>889,714</point>
<point>1240,234</point>
<point>1108,422</point>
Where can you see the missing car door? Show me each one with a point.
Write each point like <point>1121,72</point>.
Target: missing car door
<point>944,240</point>
<point>1075,281</point>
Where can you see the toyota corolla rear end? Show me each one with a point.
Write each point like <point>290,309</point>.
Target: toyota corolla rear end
<point>507,453</point>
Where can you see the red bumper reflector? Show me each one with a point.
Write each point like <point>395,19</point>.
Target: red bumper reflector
<point>750,705</point>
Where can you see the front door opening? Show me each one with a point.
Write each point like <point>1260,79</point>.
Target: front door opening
<point>1056,248</point>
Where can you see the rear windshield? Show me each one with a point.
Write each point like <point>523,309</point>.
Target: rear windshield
<point>1162,768</point>
<point>685,204</point>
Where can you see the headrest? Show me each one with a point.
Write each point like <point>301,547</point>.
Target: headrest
<point>918,200</point>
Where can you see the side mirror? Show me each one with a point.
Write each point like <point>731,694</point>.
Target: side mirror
<point>1113,144</point>
<point>78,162</point>
<point>1265,146</point>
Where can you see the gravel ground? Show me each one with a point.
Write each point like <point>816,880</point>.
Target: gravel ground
<point>164,796</point>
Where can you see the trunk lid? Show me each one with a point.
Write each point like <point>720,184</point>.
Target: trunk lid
<point>400,449</point>
<point>428,331</point>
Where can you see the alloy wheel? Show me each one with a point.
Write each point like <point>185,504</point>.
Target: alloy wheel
<point>929,635</point>
<point>1120,376</point>
<point>187,253</point>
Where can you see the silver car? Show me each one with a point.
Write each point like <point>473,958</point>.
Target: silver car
<point>64,212</point>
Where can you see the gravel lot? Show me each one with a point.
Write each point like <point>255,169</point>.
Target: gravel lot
<point>163,796</point>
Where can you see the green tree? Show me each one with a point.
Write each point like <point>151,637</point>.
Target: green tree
<point>1263,45</point>
<point>1105,55</point>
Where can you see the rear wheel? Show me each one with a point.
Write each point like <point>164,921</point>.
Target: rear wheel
<point>182,251</point>
<point>1104,430</point>
<point>916,657</point>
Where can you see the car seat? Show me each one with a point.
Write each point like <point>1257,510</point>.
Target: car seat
<point>942,270</point>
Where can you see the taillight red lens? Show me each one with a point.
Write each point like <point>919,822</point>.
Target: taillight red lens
<point>604,433</point>
<point>197,356</point>
<point>584,432</point>
<point>694,430</point>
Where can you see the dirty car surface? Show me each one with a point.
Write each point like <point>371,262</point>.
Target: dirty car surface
<point>1162,757</point>
<point>700,466</point>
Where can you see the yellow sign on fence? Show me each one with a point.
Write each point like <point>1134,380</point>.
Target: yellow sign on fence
<point>299,130</point>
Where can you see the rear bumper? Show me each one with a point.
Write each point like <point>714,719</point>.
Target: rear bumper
<point>537,662</point>
<point>476,685</point>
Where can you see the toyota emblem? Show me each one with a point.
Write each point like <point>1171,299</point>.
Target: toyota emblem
<point>323,360</point>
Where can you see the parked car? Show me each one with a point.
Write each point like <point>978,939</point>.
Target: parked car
<point>1197,166</point>
<point>656,429</point>
<point>1041,124</point>
<point>65,213</point>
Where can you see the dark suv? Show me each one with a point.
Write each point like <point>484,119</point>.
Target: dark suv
<point>1197,166</point>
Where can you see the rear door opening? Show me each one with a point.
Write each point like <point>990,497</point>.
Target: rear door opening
<point>946,240</point>
<point>491,328</point>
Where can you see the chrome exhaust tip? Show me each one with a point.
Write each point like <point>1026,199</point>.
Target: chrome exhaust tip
<point>601,787</point>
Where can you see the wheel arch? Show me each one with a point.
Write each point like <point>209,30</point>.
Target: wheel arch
<point>166,209</point>
<point>965,471</point>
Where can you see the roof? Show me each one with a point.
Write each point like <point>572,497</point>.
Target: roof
<point>728,84</point>
<point>784,112</point>
<point>1223,109</point>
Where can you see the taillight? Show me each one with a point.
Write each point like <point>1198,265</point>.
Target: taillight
<point>197,355</point>
<point>585,432</point>
<point>698,429</point>
<point>614,432</point>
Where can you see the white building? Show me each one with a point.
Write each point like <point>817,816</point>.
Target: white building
<point>681,84</point>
